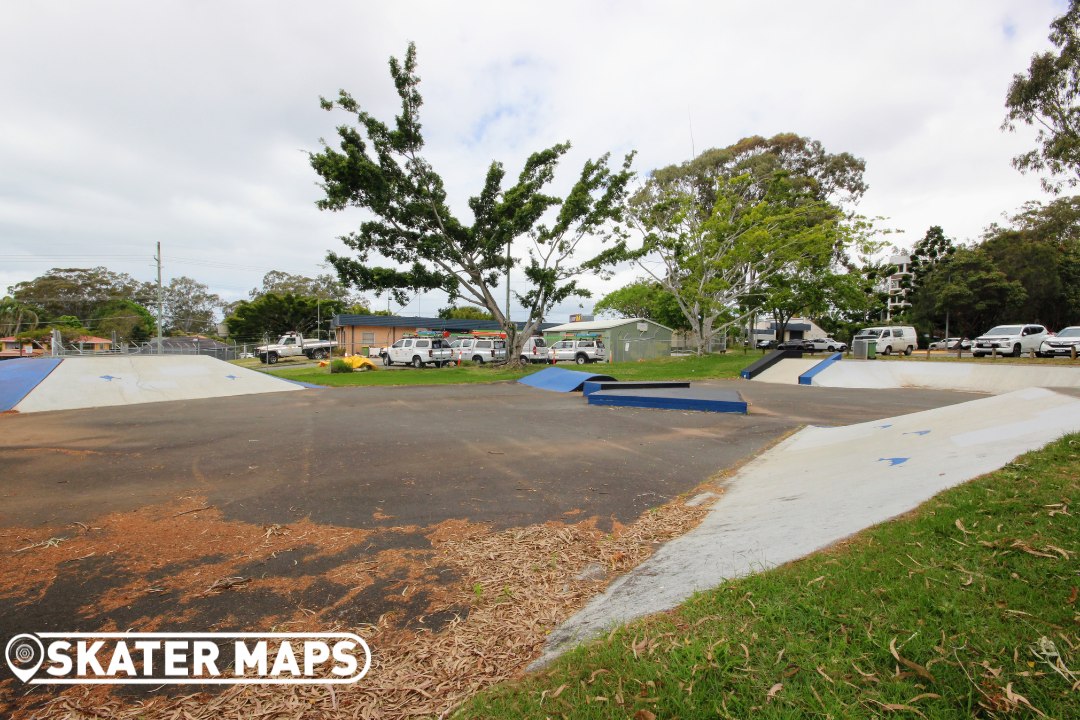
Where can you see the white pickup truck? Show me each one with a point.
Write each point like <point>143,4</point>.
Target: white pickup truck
<point>418,352</point>
<point>294,345</point>
<point>581,350</point>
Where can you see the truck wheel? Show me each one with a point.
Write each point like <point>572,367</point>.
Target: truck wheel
<point>908,350</point>
<point>319,354</point>
<point>524,360</point>
<point>886,350</point>
<point>417,362</point>
<point>272,358</point>
<point>478,360</point>
<point>387,361</point>
<point>581,359</point>
<point>1017,350</point>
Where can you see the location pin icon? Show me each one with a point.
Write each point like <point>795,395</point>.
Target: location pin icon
<point>24,654</point>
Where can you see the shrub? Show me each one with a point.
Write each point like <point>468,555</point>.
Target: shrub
<point>340,366</point>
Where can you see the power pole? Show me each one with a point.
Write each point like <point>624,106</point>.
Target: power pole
<point>160,301</point>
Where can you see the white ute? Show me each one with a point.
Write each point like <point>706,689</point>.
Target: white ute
<point>419,350</point>
<point>582,349</point>
<point>294,345</point>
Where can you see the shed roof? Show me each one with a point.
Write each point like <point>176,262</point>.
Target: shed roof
<point>416,321</point>
<point>600,325</point>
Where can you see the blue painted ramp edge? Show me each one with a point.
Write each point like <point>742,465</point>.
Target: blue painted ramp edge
<point>807,378</point>
<point>668,403</point>
<point>19,377</point>
<point>559,380</point>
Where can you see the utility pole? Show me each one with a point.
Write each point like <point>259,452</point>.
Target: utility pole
<point>160,300</point>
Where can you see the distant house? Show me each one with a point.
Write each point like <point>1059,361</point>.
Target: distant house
<point>898,301</point>
<point>90,343</point>
<point>797,329</point>
<point>355,333</point>
<point>11,347</point>
<point>627,339</point>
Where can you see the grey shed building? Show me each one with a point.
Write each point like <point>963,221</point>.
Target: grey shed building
<point>627,339</point>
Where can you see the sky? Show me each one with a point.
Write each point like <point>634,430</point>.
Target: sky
<point>188,122</point>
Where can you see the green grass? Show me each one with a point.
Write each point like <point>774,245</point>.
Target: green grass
<point>676,368</point>
<point>948,612</point>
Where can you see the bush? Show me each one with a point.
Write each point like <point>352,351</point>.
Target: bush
<point>340,366</point>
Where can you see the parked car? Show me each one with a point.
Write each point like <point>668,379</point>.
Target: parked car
<point>535,350</point>
<point>766,343</point>
<point>828,344</point>
<point>480,349</point>
<point>796,344</point>
<point>1061,344</point>
<point>580,350</point>
<point>892,339</point>
<point>1012,340</point>
<point>419,351</point>
<point>295,345</point>
<point>951,344</point>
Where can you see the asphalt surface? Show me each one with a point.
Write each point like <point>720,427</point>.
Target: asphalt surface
<point>381,457</point>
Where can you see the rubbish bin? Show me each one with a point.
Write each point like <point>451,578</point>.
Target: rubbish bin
<point>864,349</point>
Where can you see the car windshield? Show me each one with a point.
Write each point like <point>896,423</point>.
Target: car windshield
<point>1005,330</point>
<point>1070,332</point>
<point>870,332</point>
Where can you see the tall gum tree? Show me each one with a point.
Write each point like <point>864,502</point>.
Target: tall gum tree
<point>380,168</point>
<point>715,231</point>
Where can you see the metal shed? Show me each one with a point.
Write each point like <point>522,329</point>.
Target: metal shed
<point>627,339</point>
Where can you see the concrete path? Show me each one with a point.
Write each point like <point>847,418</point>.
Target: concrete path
<point>88,382</point>
<point>985,376</point>
<point>822,485</point>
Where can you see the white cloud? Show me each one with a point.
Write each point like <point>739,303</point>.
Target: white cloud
<point>127,123</point>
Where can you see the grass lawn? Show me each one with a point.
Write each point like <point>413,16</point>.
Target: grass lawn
<point>965,607</point>
<point>677,368</point>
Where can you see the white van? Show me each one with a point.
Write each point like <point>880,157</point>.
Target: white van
<point>535,350</point>
<point>892,339</point>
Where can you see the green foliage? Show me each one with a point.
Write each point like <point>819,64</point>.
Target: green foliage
<point>326,287</point>
<point>189,307</point>
<point>464,312</point>
<point>273,314</point>
<point>380,168</point>
<point>971,288</point>
<point>129,320</point>
<point>720,230</point>
<point>17,317</point>
<point>644,299</point>
<point>77,292</point>
<point>1045,97</point>
<point>340,366</point>
<point>928,252</point>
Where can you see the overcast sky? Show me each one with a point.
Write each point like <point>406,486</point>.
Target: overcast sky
<point>128,123</point>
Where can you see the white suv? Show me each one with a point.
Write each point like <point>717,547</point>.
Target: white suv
<point>1012,340</point>
<point>828,344</point>
<point>479,349</point>
<point>1062,343</point>
<point>581,351</point>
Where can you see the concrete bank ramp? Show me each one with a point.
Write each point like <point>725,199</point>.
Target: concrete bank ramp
<point>787,371</point>
<point>87,382</point>
<point>822,485</point>
<point>983,376</point>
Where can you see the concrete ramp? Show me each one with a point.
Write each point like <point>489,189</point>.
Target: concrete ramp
<point>822,485</point>
<point>86,382</point>
<point>787,371</point>
<point>557,379</point>
<point>980,376</point>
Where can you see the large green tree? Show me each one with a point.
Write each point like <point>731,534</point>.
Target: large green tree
<point>77,291</point>
<point>325,286</point>
<point>1040,249</point>
<point>969,292</point>
<point>271,315</point>
<point>717,229</point>
<point>190,307</point>
<point>380,168</point>
<point>647,299</point>
<point>130,321</point>
<point>464,312</point>
<point>17,317</point>
<point>1046,97</point>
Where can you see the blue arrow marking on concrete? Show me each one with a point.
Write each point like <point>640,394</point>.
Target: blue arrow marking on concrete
<point>918,432</point>
<point>894,461</point>
<point>231,377</point>
<point>109,378</point>
<point>882,427</point>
